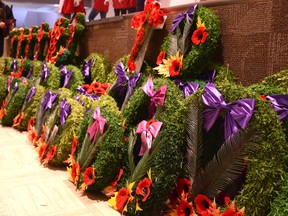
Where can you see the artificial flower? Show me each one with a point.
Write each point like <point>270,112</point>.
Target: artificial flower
<point>199,36</point>
<point>183,186</point>
<point>74,172</point>
<point>158,18</point>
<point>185,209</point>
<point>50,155</point>
<point>30,124</point>
<point>89,178</point>
<point>42,150</point>
<point>263,97</point>
<point>74,144</point>
<point>137,207</point>
<point>171,67</point>
<point>110,190</point>
<point>122,198</point>
<point>18,119</point>
<point>160,57</point>
<point>131,66</point>
<point>32,136</point>
<point>202,203</point>
<point>98,125</point>
<point>3,110</point>
<point>143,188</point>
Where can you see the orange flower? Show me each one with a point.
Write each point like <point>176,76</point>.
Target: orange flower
<point>30,124</point>
<point>122,198</point>
<point>74,172</point>
<point>3,110</point>
<point>185,209</point>
<point>199,36</point>
<point>99,91</point>
<point>263,97</point>
<point>42,137</point>
<point>203,204</point>
<point>74,145</point>
<point>131,66</point>
<point>105,86</point>
<point>87,88</point>
<point>109,191</point>
<point>89,176</point>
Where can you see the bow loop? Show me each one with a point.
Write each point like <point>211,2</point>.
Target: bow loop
<point>180,17</point>
<point>187,88</point>
<point>45,72</point>
<point>66,75</point>
<point>280,105</point>
<point>48,100</point>
<point>98,124</point>
<point>237,114</point>
<point>65,110</point>
<point>31,93</point>
<point>87,67</point>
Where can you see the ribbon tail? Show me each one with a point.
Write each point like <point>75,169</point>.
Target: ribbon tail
<point>230,125</point>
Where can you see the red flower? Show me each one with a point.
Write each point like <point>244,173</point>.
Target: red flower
<point>95,85</point>
<point>131,66</point>
<point>89,176</point>
<point>143,188</point>
<point>75,172</point>
<point>185,209</point>
<point>99,91</point>
<point>158,17</point>
<point>42,150</point>
<point>105,86</point>
<point>74,145</point>
<point>51,153</point>
<point>160,57</point>
<point>199,36</point>
<point>183,185</point>
<point>228,212</point>
<point>122,198</point>
<point>202,204</point>
<point>263,97</point>
<point>87,88</point>
<point>175,68</point>
<point>30,123</point>
<point>140,36</point>
<point>32,136</point>
<point>149,123</point>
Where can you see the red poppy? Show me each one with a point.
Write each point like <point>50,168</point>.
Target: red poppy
<point>183,185</point>
<point>95,85</point>
<point>228,212</point>
<point>89,176</point>
<point>105,86</point>
<point>18,119</point>
<point>42,150</point>
<point>42,138</point>
<point>149,123</point>
<point>263,97</point>
<point>143,188</point>
<point>74,145</point>
<point>87,88</point>
<point>131,66</point>
<point>175,68</point>
<point>32,136</point>
<point>122,198</point>
<point>140,36</point>
<point>185,209</point>
<point>160,57</point>
<point>51,153</point>
<point>114,183</point>
<point>30,124</point>
<point>99,91</point>
<point>202,204</point>
<point>158,17</point>
<point>199,36</point>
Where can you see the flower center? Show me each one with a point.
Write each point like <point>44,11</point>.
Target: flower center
<point>205,204</point>
<point>187,211</point>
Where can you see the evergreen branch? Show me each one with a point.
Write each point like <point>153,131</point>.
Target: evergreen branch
<point>132,141</point>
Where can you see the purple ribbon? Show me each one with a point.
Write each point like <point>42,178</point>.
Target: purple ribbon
<point>66,75</point>
<point>178,19</point>
<point>124,84</point>
<point>92,96</point>
<point>98,124</point>
<point>148,132</point>
<point>280,105</point>
<point>14,65</point>
<point>187,88</point>
<point>237,114</point>
<point>48,100</point>
<point>87,67</point>
<point>31,93</point>
<point>30,71</point>
<point>45,72</point>
<point>156,98</point>
<point>65,110</point>
<point>81,90</point>
<point>15,87</point>
<point>77,98</point>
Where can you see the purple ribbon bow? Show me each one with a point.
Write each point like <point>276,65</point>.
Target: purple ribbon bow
<point>64,112</point>
<point>77,98</point>
<point>14,65</point>
<point>30,71</point>
<point>92,96</point>
<point>156,98</point>
<point>280,105</point>
<point>66,75</point>
<point>188,88</point>
<point>9,82</point>
<point>48,100</point>
<point>30,94</point>
<point>15,87</point>
<point>87,67</point>
<point>148,131</point>
<point>124,84</point>
<point>98,124</point>
<point>178,19</point>
<point>237,113</point>
<point>45,72</point>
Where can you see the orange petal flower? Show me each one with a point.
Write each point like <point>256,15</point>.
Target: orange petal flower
<point>42,150</point>
<point>199,36</point>
<point>30,124</point>
<point>32,136</point>
<point>50,155</point>
<point>18,119</point>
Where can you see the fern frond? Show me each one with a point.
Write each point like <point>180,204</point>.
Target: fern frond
<point>225,167</point>
<point>185,41</point>
<point>173,44</point>
<point>194,139</point>
<point>52,135</point>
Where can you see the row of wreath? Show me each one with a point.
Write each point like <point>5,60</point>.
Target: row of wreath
<point>116,149</point>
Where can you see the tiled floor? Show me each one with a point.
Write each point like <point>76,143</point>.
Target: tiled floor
<point>27,188</point>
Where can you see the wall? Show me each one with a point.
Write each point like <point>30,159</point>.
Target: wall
<point>254,37</point>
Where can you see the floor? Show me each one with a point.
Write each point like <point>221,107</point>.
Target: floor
<point>27,188</point>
